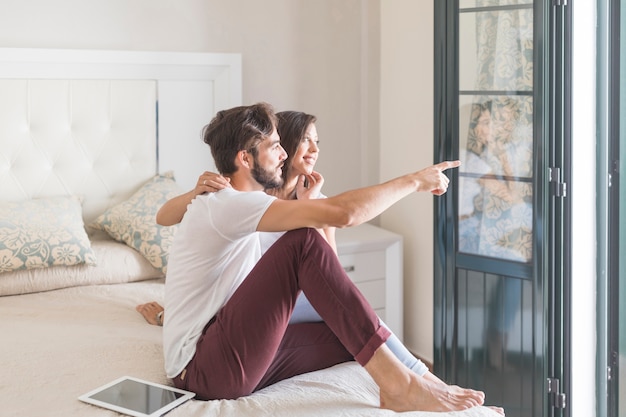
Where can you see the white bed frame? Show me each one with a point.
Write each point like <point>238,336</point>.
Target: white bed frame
<point>164,98</point>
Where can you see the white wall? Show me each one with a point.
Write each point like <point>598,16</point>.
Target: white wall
<point>407,145</point>
<point>316,56</point>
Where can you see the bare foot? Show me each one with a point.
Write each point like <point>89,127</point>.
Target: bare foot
<point>149,311</point>
<point>424,395</point>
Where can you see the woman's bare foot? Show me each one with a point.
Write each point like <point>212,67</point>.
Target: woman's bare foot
<point>424,395</point>
<point>149,311</point>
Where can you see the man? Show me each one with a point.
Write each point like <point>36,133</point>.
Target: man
<point>227,332</point>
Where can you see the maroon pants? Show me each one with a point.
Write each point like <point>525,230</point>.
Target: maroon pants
<point>250,344</point>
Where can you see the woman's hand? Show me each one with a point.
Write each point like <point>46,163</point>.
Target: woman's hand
<point>210,182</point>
<point>173,210</point>
<point>309,187</point>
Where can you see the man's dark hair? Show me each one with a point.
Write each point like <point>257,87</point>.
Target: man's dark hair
<point>237,129</point>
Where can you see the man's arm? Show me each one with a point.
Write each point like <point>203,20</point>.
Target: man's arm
<point>354,207</point>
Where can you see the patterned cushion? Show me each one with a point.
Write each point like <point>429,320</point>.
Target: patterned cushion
<point>43,232</point>
<point>134,220</point>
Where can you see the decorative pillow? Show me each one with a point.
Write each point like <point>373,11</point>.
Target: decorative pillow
<point>43,232</point>
<point>117,263</point>
<point>134,220</point>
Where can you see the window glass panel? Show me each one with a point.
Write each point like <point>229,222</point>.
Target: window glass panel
<point>495,214</point>
<point>496,50</point>
<point>495,180</point>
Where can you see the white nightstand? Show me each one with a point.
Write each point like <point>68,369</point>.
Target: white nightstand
<point>372,257</point>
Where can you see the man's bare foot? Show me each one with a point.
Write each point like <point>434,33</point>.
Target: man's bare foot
<point>424,395</point>
<point>149,311</point>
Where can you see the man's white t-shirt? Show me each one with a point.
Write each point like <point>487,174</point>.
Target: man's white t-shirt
<point>214,249</point>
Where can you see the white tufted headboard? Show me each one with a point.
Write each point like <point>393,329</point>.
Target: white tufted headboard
<point>100,123</point>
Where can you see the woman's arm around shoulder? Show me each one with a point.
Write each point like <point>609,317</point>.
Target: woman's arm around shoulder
<point>173,210</point>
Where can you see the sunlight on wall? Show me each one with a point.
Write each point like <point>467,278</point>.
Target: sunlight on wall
<point>407,145</point>
<point>583,203</point>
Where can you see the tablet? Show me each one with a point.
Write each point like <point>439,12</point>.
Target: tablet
<point>135,397</point>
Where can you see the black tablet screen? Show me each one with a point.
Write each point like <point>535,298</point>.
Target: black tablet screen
<point>136,396</point>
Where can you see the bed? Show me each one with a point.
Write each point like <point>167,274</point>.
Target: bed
<point>89,148</point>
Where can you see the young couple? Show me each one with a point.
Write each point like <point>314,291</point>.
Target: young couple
<point>234,319</point>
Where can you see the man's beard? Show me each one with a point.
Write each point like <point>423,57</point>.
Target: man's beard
<point>265,177</point>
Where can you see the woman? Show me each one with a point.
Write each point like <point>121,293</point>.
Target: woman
<point>298,136</point>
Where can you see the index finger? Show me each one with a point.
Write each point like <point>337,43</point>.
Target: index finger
<point>447,165</point>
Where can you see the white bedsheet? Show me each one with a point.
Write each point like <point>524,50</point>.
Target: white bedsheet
<point>60,344</point>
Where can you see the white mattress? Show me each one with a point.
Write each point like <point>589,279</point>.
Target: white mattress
<point>59,344</point>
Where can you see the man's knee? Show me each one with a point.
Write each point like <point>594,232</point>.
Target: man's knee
<point>302,232</point>
<point>305,234</point>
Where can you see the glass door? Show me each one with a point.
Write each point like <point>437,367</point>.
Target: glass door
<point>494,234</point>
<point>499,254</point>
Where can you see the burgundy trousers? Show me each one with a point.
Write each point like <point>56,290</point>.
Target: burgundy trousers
<point>249,344</point>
